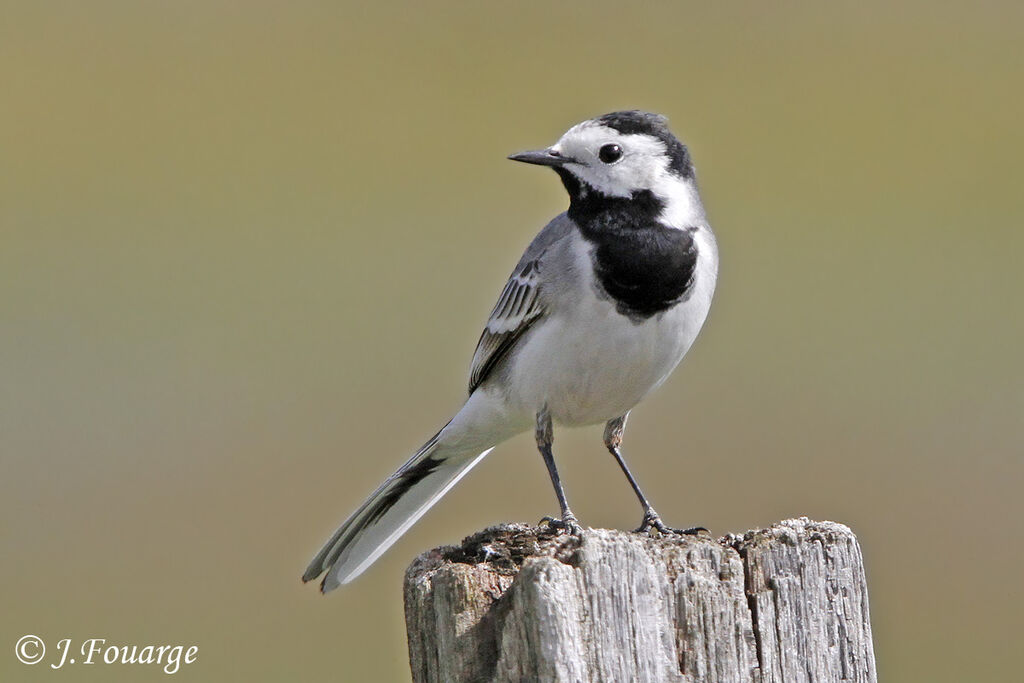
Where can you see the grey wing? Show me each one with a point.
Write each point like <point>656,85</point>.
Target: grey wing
<point>521,303</point>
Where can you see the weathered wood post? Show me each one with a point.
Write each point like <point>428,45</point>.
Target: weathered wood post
<point>515,603</point>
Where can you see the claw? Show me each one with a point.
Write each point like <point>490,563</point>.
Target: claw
<point>652,520</point>
<point>568,524</point>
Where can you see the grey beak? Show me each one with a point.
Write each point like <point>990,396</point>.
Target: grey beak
<point>541,157</point>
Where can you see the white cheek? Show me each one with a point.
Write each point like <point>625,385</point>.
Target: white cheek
<point>601,180</point>
<point>636,173</point>
<point>620,179</point>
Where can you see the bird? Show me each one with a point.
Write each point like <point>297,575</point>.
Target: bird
<point>601,308</point>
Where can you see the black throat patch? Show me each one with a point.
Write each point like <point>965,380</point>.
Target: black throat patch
<point>644,266</point>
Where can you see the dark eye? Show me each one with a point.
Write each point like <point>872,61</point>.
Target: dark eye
<point>609,154</point>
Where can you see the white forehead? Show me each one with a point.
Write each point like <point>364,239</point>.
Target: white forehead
<point>644,164</point>
<point>584,140</point>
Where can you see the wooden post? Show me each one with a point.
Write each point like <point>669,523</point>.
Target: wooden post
<point>516,603</point>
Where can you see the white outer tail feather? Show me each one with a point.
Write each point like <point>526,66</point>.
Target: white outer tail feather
<point>482,423</point>
<point>336,577</point>
<point>368,533</point>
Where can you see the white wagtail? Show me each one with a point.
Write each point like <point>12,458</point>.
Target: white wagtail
<point>602,306</point>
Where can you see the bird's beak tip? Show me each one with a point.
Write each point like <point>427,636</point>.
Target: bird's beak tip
<point>540,157</point>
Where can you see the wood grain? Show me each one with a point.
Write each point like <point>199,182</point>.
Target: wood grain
<point>518,603</point>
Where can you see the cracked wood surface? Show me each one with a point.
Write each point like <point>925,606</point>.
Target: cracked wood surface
<point>516,603</point>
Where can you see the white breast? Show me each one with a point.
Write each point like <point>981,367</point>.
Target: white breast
<point>588,362</point>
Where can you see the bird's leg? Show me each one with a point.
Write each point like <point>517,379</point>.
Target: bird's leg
<point>545,437</point>
<point>613,432</point>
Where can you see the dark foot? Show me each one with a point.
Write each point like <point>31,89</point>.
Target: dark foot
<point>567,524</point>
<point>652,520</point>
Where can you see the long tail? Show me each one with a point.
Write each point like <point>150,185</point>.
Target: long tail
<point>391,510</point>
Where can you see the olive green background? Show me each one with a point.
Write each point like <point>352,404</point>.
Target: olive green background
<point>247,249</point>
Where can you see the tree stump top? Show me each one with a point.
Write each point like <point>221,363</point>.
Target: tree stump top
<point>520,603</point>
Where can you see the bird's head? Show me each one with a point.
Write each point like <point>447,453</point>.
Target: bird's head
<point>625,155</point>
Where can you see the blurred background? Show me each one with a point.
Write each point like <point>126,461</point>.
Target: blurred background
<point>247,250</point>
